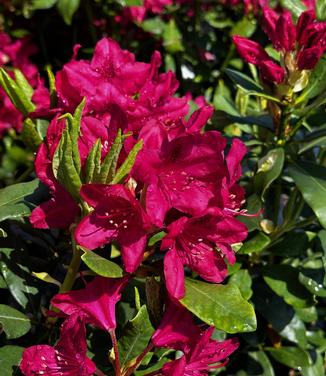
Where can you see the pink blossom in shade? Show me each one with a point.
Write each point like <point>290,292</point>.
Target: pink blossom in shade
<point>206,355</point>
<point>66,358</point>
<point>181,174</point>
<point>201,353</point>
<point>305,19</point>
<point>249,50</point>
<point>117,216</point>
<point>285,31</point>
<point>308,58</point>
<point>97,301</point>
<point>61,210</point>
<point>192,242</point>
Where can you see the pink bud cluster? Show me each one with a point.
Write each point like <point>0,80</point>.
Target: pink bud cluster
<point>300,46</point>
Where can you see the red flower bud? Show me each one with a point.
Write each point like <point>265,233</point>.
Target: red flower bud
<point>286,33</point>
<point>271,71</point>
<point>249,50</point>
<point>305,19</point>
<point>308,58</point>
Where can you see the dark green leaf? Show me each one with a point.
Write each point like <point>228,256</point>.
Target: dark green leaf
<point>136,336</point>
<point>318,339</point>
<point>269,169</point>
<point>243,80</point>
<point>284,281</point>
<point>311,181</point>
<point>220,305</point>
<point>313,279</point>
<point>14,200</point>
<point>293,357</point>
<point>14,323</point>
<point>102,266</point>
<point>316,369</point>
<point>242,279</point>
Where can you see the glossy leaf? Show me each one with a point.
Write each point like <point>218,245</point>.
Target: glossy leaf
<point>316,82</point>
<point>284,281</point>
<point>243,80</point>
<point>293,357</point>
<point>262,359</point>
<point>316,369</point>
<point>255,244</point>
<point>242,279</point>
<point>15,200</point>
<point>220,305</point>
<point>136,336</point>
<point>269,169</point>
<point>311,181</point>
<point>14,323</point>
<point>102,266</point>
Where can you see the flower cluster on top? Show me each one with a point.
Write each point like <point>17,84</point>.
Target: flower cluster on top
<point>300,46</point>
<point>181,183</point>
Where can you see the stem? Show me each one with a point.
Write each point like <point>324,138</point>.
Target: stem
<point>72,269</point>
<point>116,353</point>
<point>139,359</point>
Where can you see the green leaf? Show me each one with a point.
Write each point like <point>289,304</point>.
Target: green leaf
<point>308,314</point>
<point>320,141</point>
<point>292,357</point>
<point>262,359</point>
<point>93,163</point>
<point>292,244</point>
<point>295,331</point>
<point>256,244</point>
<point>42,4</point>
<point>311,181</point>
<point>127,165</point>
<point>10,357</point>
<point>14,200</point>
<point>245,27</point>
<point>18,97</point>
<point>102,266</point>
<point>243,80</point>
<point>109,165</point>
<point>172,38</point>
<point>67,174</point>
<point>136,336</point>
<point>318,339</point>
<point>316,369</point>
<point>14,323</point>
<point>220,305</point>
<point>317,82</point>
<point>284,281</point>
<point>154,25</point>
<point>52,87</point>
<point>156,238</point>
<point>67,8</point>
<point>312,279</point>
<point>269,169</point>
<point>22,82</point>
<point>30,135</point>
<point>296,7</point>
<point>321,10</point>
<point>242,280</point>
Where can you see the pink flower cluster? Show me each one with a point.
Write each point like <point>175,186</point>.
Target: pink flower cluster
<point>15,54</point>
<point>182,182</point>
<point>300,46</point>
<point>138,12</point>
<point>95,304</point>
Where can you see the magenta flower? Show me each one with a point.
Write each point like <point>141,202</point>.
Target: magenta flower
<point>97,301</point>
<point>201,353</point>
<point>117,216</point>
<point>181,175</point>
<point>193,242</point>
<point>66,358</point>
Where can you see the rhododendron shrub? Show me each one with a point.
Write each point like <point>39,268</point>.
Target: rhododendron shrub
<point>162,198</point>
